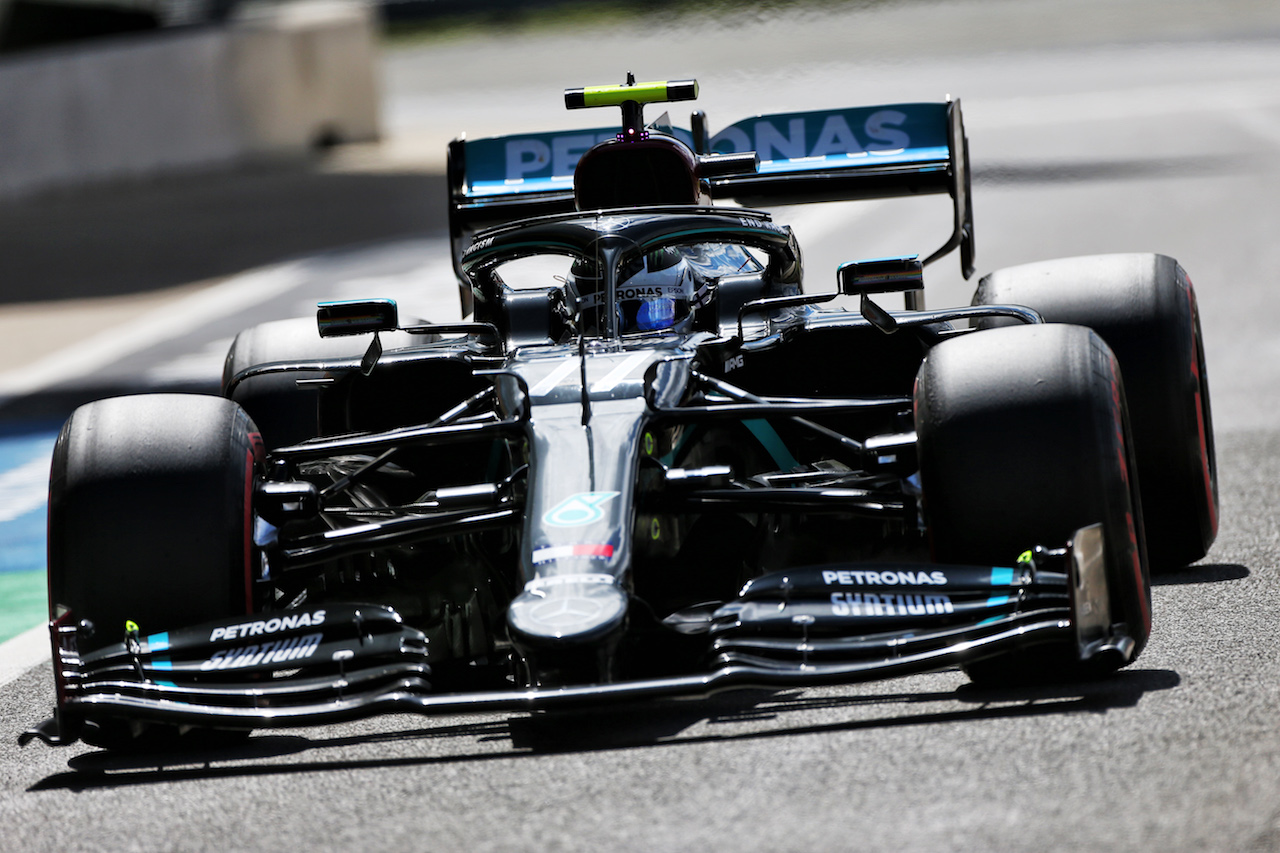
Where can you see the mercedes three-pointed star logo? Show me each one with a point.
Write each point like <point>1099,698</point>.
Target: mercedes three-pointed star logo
<point>565,611</point>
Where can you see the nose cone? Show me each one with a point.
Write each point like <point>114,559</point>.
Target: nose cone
<point>568,610</point>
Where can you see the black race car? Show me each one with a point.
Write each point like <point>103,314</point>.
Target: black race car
<point>651,464</point>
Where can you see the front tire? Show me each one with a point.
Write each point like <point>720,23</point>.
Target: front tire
<point>149,514</point>
<point>1023,439</point>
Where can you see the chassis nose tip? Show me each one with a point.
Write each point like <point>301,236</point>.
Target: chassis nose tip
<point>567,627</point>
<point>567,610</point>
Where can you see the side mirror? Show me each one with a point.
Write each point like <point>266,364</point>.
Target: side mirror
<point>884,275</point>
<point>358,317</point>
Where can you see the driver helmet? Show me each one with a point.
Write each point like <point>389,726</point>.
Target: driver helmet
<point>656,291</point>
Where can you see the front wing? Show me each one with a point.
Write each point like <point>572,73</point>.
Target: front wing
<point>790,629</point>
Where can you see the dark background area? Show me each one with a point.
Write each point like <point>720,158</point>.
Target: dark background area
<point>109,240</point>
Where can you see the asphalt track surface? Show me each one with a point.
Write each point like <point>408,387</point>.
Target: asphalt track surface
<point>1127,136</point>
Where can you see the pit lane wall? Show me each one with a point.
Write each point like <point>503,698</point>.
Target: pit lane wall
<point>271,84</point>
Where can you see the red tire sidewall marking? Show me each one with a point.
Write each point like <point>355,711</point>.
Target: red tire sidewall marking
<point>1201,428</point>
<point>1132,529</point>
<point>252,458</point>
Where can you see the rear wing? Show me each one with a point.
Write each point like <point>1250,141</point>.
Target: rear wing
<point>826,155</point>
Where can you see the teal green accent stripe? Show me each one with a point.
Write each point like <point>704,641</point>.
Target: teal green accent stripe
<point>158,642</point>
<point>997,600</point>
<point>991,621</point>
<point>768,436</point>
<point>1001,577</point>
<point>495,460</point>
<point>161,663</point>
<point>677,453</point>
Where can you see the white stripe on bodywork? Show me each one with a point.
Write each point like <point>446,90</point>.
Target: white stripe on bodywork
<point>552,379</point>
<point>615,377</point>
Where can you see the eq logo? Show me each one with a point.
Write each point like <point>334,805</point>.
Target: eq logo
<point>582,508</point>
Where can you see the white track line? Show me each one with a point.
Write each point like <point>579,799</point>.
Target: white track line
<point>162,324</point>
<point>24,488</point>
<point>24,651</point>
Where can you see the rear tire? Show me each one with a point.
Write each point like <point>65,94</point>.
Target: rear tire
<point>1144,307</point>
<point>1023,439</point>
<point>285,411</point>
<point>149,514</point>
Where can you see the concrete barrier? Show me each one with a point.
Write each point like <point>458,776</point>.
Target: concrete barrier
<point>273,83</point>
<point>305,73</point>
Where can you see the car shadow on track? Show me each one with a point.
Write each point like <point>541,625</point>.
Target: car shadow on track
<point>1203,573</point>
<point>746,716</point>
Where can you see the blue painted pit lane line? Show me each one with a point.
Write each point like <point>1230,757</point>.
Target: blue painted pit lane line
<point>25,451</point>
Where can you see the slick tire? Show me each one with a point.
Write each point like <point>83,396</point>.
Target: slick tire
<point>149,514</point>
<point>1144,307</point>
<point>1023,439</point>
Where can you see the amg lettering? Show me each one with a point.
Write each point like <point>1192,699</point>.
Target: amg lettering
<point>272,651</point>
<point>278,623</point>
<point>874,604</point>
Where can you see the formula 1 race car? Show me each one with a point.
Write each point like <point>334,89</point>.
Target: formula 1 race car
<point>650,464</point>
